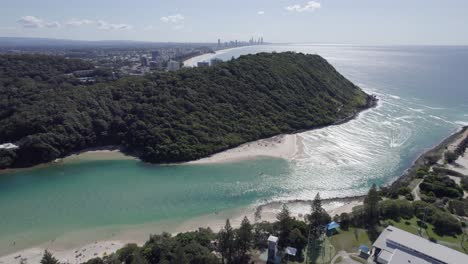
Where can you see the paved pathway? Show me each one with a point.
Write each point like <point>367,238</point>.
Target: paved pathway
<point>345,258</point>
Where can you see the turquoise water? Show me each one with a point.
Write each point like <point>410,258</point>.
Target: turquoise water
<point>423,98</point>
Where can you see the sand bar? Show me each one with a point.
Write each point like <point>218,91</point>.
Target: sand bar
<point>282,146</point>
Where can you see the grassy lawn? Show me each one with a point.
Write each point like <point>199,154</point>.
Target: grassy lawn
<point>350,240</point>
<point>450,241</point>
<point>321,252</point>
<point>358,259</point>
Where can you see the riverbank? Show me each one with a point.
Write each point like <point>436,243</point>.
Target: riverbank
<point>75,248</point>
<point>435,154</point>
<point>79,247</point>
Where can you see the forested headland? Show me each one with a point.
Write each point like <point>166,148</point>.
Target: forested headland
<point>166,116</point>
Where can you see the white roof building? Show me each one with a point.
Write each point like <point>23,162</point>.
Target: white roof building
<point>8,146</point>
<point>395,246</point>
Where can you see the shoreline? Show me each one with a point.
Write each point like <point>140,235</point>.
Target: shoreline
<point>409,174</point>
<point>281,146</point>
<point>192,62</point>
<point>79,246</point>
<point>274,147</point>
<point>285,146</point>
<point>262,212</point>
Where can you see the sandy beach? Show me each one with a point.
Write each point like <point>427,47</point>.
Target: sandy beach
<point>192,62</point>
<point>282,146</point>
<point>104,153</point>
<point>285,146</point>
<point>68,249</point>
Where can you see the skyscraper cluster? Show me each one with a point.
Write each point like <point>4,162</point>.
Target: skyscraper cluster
<point>236,43</point>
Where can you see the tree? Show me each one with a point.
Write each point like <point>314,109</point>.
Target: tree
<point>165,117</point>
<point>318,217</point>
<point>450,156</point>
<point>244,237</point>
<point>371,206</point>
<point>344,221</point>
<point>298,241</point>
<point>95,261</point>
<point>127,253</point>
<point>226,242</point>
<point>179,256</point>
<point>48,258</point>
<point>261,232</point>
<point>284,226</point>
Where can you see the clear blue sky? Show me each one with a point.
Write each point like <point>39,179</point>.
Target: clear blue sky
<point>431,22</point>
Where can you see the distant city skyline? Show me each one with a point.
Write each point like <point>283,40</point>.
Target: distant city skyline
<point>382,22</point>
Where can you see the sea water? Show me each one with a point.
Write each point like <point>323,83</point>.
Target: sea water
<point>423,97</point>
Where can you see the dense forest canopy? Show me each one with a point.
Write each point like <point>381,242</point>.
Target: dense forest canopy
<point>166,116</point>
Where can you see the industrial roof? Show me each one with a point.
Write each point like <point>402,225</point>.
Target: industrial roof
<point>393,238</point>
<point>400,257</point>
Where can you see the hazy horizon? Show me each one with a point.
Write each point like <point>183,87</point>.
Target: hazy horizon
<point>360,22</point>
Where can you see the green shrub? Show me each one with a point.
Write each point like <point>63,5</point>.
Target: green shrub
<point>396,209</point>
<point>450,156</point>
<point>446,224</point>
<point>464,183</point>
<point>441,186</point>
<point>458,207</point>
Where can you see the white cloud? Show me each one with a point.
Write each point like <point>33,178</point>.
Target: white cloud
<point>34,22</point>
<point>79,22</point>
<point>31,22</point>
<point>53,24</point>
<point>261,13</point>
<point>173,18</point>
<point>103,25</point>
<point>308,7</point>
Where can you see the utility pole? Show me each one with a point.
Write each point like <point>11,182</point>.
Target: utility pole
<point>308,240</point>
<point>423,221</point>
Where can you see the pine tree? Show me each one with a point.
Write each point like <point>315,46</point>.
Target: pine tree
<point>318,217</point>
<point>244,237</point>
<point>226,242</point>
<point>371,206</point>
<point>284,226</point>
<point>48,258</point>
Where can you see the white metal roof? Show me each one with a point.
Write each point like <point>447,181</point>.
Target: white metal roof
<point>386,256</point>
<point>393,238</point>
<point>272,239</point>
<point>291,251</point>
<point>400,257</point>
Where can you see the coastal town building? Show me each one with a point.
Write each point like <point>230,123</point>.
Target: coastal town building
<point>332,228</point>
<point>203,64</point>
<point>173,65</point>
<point>144,61</point>
<point>395,246</point>
<point>272,249</point>
<point>215,61</point>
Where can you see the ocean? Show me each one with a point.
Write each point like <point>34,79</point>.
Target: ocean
<point>423,93</point>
